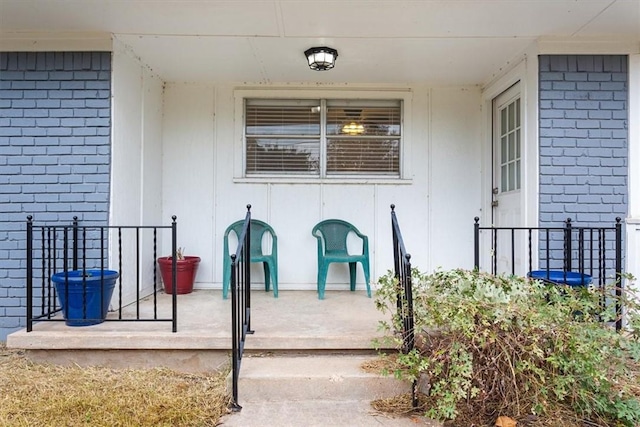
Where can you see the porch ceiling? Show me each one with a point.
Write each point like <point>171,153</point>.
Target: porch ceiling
<point>379,41</point>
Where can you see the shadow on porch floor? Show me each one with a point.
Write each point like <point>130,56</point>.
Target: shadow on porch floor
<point>296,321</point>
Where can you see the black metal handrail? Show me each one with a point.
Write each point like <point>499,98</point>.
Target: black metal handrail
<point>240,303</point>
<point>402,272</point>
<point>566,249</point>
<point>67,248</point>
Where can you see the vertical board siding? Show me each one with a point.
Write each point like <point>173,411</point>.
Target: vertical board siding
<point>583,140</point>
<point>55,130</point>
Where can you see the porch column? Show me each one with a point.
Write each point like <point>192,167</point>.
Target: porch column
<point>633,219</point>
<point>634,136</point>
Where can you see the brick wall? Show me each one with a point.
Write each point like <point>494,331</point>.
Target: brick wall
<point>583,140</point>
<point>55,120</point>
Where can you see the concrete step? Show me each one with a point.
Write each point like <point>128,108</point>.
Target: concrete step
<point>320,413</point>
<point>336,377</point>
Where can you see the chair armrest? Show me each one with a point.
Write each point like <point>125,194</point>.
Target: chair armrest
<point>365,241</point>
<point>274,245</point>
<point>365,245</point>
<point>320,239</point>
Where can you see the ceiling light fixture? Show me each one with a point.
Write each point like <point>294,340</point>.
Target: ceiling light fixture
<point>353,128</point>
<point>321,58</point>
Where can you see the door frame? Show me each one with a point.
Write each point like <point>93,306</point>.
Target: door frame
<point>526,73</point>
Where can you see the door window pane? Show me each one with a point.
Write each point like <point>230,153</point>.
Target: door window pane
<point>503,150</point>
<point>510,147</point>
<point>504,185</point>
<point>512,176</point>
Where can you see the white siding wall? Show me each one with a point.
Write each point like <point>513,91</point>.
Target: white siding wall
<point>633,255</point>
<point>454,175</point>
<point>435,209</point>
<point>136,179</point>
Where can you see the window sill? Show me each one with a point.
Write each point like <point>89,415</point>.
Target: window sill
<point>323,181</point>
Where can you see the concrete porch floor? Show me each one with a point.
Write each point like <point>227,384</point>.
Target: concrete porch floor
<point>297,321</point>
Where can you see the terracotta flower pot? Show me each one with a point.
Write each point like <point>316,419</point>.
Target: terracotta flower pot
<point>186,273</point>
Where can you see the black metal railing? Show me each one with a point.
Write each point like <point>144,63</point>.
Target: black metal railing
<point>72,251</point>
<point>240,303</point>
<point>402,271</point>
<point>594,253</point>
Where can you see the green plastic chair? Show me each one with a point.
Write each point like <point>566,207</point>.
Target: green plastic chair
<point>332,247</point>
<point>269,261</point>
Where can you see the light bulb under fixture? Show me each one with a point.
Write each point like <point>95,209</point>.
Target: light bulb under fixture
<point>321,58</point>
<point>353,128</point>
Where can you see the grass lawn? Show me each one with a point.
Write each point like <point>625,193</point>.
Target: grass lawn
<point>45,395</point>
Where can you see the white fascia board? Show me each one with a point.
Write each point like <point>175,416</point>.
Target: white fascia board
<point>588,46</point>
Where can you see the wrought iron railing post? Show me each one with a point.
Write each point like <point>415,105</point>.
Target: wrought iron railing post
<point>410,329</point>
<point>494,254</point>
<point>476,244</point>
<point>235,326</point>
<point>155,273</point>
<point>247,271</point>
<point>174,272</point>
<point>138,272</point>
<point>29,273</point>
<point>619,282</point>
<point>513,251</point>
<point>74,248</point>
<point>397,258</point>
<point>409,337</point>
<point>567,245</point>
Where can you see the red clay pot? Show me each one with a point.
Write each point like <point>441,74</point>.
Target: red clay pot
<point>186,273</point>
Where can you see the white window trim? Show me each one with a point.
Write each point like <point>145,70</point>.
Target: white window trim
<point>239,149</point>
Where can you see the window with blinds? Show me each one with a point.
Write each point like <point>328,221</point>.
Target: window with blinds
<point>322,137</point>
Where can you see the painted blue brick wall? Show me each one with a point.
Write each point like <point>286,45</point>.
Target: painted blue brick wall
<point>55,118</point>
<point>583,139</point>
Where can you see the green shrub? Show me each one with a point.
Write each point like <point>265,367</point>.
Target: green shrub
<point>496,345</point>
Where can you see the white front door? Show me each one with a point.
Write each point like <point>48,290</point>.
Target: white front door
<point>509,249</point>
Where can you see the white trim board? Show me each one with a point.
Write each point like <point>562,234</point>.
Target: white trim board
<point>49,42</point>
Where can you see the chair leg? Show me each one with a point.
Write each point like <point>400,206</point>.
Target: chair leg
<point>365,267</point>
<point>267,277</point>
<point>322,280</point>
<point>270,278</point>
<point>274,279</point>
<point>226,280</point>
<point>352,275</point>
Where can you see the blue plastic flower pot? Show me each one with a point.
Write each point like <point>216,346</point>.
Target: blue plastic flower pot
<point>85,295</point>
<point>560,277</point>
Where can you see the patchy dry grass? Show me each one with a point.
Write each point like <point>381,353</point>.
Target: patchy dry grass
<point>45,395</point>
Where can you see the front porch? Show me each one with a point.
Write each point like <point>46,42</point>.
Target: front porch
<point>296,321</point>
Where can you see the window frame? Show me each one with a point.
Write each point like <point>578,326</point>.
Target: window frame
<point>240,156</point>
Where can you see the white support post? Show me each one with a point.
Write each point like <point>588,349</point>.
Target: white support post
<point>634,136</point>
<point>632,235</point>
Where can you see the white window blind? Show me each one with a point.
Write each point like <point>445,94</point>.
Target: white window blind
<point>322,137</point>
<point>363,138</point>
<point>282,137</point>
